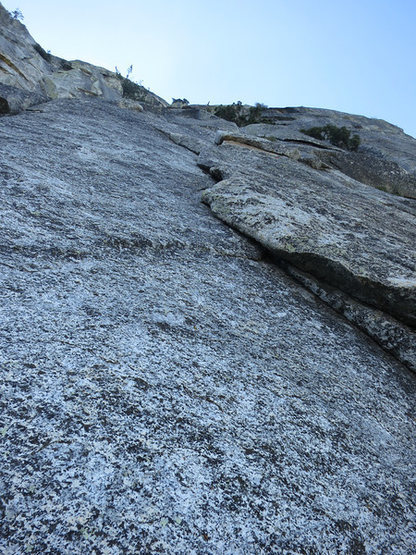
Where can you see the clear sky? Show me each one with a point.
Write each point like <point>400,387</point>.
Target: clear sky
<point>357,56</point>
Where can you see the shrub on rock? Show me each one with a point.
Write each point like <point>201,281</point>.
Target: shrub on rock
<point>338,136</point>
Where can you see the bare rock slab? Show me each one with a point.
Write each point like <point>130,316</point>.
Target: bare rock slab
<point>347,235</point>
<point>164,388</point>
<point>340,230</point>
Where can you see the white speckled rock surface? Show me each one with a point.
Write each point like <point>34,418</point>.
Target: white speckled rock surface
<point>345,233</point>
<point>165,388</point>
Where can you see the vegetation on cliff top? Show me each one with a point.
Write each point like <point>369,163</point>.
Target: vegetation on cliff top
<point>131,90</point>
<point>239,114</point>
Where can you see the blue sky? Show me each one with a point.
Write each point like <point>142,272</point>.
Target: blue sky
<point>354,56</point>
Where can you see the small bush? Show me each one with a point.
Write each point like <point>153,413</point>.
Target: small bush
<point>338,136</point>
<point>239,114</point>
<point>45,55</point>
<point>131,90</point>
<point>254,113</point>
<point>230,112</point>
<point>66,66</point>
<point>17,14</point>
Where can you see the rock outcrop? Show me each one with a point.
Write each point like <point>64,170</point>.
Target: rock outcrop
<point>176,382</point>
<point>26,66</point>
<point>346,234</point>
<point>385,159</point>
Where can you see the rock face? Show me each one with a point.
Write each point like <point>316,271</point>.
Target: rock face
<point>170,385</point>
<point>346,234</point>
<point>385,159</point>
<point>363,239</point>
<point>21,65</point>
<point>165,387</point>
<point>14,100</point>
<point>25,66</point>
<point>83,79</point>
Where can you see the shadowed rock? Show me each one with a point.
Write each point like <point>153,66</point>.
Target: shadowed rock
<point>13,100</point>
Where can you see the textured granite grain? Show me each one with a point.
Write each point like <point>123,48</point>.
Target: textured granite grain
<point>346,234</point>
<point>166,389</point>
